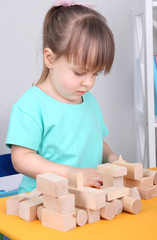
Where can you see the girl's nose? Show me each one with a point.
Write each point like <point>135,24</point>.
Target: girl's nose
<point>87,81</point>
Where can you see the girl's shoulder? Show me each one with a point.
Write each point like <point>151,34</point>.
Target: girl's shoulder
<point>31,101</point>
<point>32,96</point>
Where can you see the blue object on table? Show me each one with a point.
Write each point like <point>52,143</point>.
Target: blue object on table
<point>155,84</point>
<point>7,169</point>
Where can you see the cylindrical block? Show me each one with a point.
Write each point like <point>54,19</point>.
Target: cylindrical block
<point>131,205</point>
<point>81,217</point>
<point>39,212</point>
<point>152,173</point>
<point>109,211</point>
<point>119,206</point>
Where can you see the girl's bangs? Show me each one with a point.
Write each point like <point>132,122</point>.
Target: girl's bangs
<point>91,50</point>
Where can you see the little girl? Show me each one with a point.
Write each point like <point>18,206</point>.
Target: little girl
<point>57,124</point>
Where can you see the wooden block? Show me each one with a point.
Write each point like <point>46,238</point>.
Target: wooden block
<point>109,211</point>
<point>39,209</point>
<point>61,222</point>
<point>139,183</point>
<point>13,203</point>
<point>109,181</point>
<point>134,192</point>
<point>81,217</point>
<point>131,205</point>
<point>52,184</point>
<point>118,181</point>
<point>90,198</point>
<point>148,193</point>
<point>35,193</point>
<point>119,205</point>
<point>28,208</point>
<point>121,158</point>
<point>63,204</point>
<point>114,192</point>
<point>112,170</point>
<point>93,216</point>
<point>75,179</point>
<point>134,170</point>
<point>150,173</point>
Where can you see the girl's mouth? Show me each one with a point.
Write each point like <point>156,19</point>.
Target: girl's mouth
<point>80,92</point>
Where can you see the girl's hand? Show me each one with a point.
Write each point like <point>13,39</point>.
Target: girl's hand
<point>92,178</point>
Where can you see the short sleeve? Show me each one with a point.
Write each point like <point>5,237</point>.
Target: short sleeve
<point>100,118</point>
<point>104,129</point>
<point>24,130</point>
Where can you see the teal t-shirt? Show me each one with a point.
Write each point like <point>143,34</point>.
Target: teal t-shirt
<point>62,133</point>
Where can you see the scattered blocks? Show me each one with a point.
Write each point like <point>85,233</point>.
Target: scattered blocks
<point>63,207</point>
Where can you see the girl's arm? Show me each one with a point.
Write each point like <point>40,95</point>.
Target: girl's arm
<point>29,163</point>
<point>108,155</point>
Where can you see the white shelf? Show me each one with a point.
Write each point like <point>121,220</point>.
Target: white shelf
<point>154,4</point>
<point>154,23</point>
<point>146,124</point>
<point>155,124</point>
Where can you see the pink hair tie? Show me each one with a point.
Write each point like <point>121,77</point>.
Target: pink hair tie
<point>67,3</point>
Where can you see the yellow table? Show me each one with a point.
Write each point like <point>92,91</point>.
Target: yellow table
<point>125,226</point>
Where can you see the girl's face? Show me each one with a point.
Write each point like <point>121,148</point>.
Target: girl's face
<point>69,82</point>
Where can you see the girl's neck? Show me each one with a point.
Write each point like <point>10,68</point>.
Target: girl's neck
<point>49,89</point>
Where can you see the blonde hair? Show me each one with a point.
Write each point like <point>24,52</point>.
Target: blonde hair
<point>81,35</point>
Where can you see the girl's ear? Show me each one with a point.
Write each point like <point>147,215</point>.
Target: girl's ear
<point>48,58</point>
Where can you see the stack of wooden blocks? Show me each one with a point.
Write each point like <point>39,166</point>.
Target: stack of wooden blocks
<point>64,203</point>
<point>58,209</point>
<point>119,198</point>
<point>144,179</point>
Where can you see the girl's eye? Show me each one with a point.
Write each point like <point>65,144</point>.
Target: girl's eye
<point>78,74</point>
<point>81,74</point>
